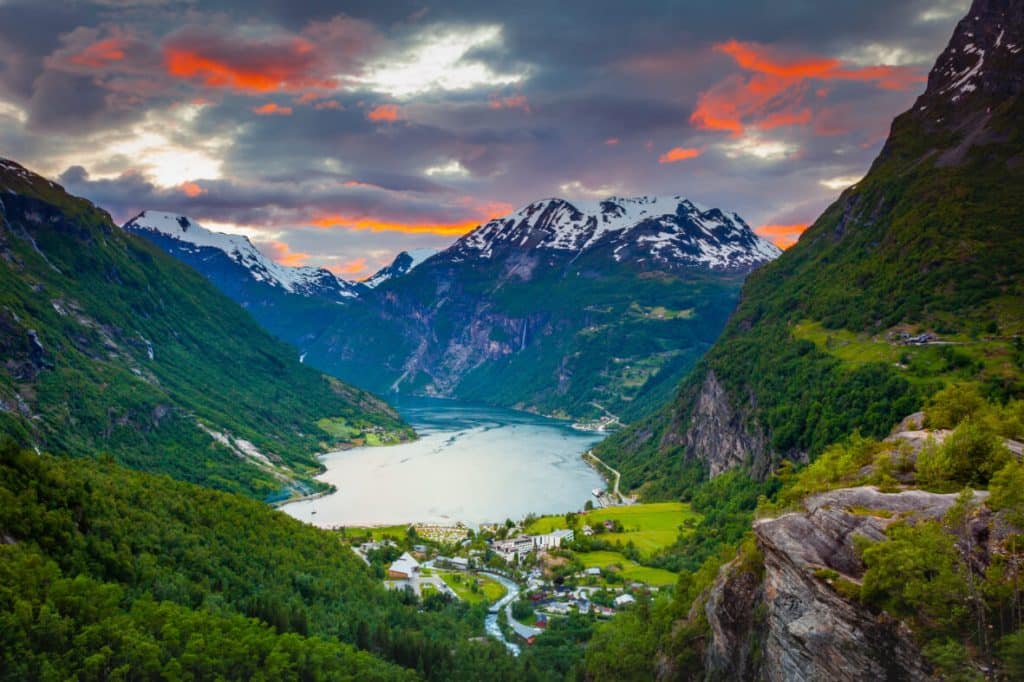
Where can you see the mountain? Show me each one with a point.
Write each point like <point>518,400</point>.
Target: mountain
<point>111,346</point>
<point>843,534</point>
<point>585,310</point>
<point>223,256</point>
<point>659,232</point>
<point>403,263</point>
<point>910,280</point>
<point>294,304</point>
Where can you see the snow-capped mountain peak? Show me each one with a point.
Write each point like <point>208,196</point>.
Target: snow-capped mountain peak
<point>190,235</point>
<point>672,231</point>
<point>404,262</point>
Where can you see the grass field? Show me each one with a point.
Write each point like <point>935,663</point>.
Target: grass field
<point>377,532</point>
<point>960,358</point>
<point>630,570</point>
<point>649,526</point>
<point>488,590</point>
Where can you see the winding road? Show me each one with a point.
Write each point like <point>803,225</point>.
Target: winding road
<point>491,622</point>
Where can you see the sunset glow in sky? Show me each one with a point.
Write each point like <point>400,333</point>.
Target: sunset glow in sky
<point>338,134</point>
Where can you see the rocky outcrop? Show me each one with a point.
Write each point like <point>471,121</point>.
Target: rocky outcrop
<point>799,622</point>
<point>721,436</point>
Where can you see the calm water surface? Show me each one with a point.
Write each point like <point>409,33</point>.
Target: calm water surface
<point>471,464</point>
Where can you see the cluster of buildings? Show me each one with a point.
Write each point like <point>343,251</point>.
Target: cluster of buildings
<point>448,535</point>
<point>515,549</point>
<point>561,601</point>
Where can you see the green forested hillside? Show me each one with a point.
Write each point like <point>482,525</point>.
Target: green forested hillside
<point>104,570</point>
<point>109,345</point>
<point>929,242</point>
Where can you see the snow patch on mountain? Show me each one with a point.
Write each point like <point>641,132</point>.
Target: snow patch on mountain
<point>302,280</point>
<point>671,230</point>
<point>402,265</point>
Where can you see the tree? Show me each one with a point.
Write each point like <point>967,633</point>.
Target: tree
<point>975,453</point>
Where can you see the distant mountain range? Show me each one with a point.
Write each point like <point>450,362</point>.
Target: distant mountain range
<point>568,308</point>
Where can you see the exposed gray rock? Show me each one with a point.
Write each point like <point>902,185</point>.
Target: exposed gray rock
<point>810,631</point>
<point>721,437</point>
<point>734,611</point>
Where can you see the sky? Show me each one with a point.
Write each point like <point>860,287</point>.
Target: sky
<point>337,134</point>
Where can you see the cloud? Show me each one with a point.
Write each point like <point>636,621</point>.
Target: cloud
<point>206,58</point>
<point>281,253</point>
<point>100,53</point>
<point>191,189</point>
<point>452,168</point>
<point>510,102</point>
<point>377,225</point>
<point>775,94</point>
<point>316,60</point>
<point>356,267</point>
<point>383,112</point>
<point>611,141</point>
<point>577,188</point>
<point>840,182</point>
<point>679,154</point>
<point>759,148</point>
<point>440,61</point>
<point>272,108</point>
<point>783,236</point>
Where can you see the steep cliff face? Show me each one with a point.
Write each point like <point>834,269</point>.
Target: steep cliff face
<point>720,435</point>
<point>800,621</point>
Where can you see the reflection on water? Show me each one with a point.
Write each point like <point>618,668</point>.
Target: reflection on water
<point>472,464</point>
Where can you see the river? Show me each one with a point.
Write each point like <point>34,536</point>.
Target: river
<point>472,464</point>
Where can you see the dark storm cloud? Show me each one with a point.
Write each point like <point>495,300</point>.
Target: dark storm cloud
<point>277,114</point>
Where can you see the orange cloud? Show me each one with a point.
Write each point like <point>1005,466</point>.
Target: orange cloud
<point>271,109</point>
<point>773,95</point>
<point>489,211</point>
<point>383,112</point>
<point>783,236</point>
<point>785,118</point>
<point>511,102</point>
<point>612,141</point>
<point>374,225</point>
<point>191,189</point>
<point>283,65</point>
<point>101,53</point>
<point>679,154</point>
<point>352,267</point>
<point>281,253</point>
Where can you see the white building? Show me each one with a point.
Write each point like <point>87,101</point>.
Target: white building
<point>404,568</point>
<point>552,540</point>
<point>623,600</point>
<point>516,548</point>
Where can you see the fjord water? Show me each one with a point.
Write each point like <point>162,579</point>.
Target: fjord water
<point>472,464</point>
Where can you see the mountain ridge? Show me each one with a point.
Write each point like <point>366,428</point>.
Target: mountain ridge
<point>110,345</point>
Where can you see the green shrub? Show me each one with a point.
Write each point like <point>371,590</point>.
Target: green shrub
<point>975,453</point>
<point>952,405</point>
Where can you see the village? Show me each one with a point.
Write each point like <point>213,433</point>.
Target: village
<point>590,564</point>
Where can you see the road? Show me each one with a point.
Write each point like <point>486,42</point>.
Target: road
<point>618,477</point>
<point>491,623</point>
